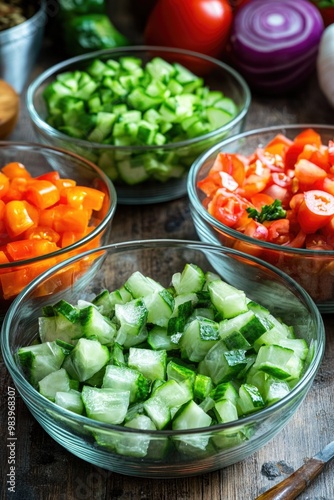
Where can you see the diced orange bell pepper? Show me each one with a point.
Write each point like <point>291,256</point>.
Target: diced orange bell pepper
<point>86,197</point>
<point>28,249</point>
<point>42,194</point>
<point>4,184</point>
<point>17,218</point>
<point>16,169</point>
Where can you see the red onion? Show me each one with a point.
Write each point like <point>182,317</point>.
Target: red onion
<point>274,43</point>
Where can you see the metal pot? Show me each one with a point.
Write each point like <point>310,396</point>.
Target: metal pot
<point>20,46</point>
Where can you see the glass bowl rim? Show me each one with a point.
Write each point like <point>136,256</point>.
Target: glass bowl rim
<point>53,70</point>
<point>20,380</point>
<point>39,148</point>
<point>208,218</point>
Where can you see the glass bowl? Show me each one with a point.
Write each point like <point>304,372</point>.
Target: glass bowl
<point>39,160</point>
<point>313,270</point>
<point>144,173</point>
<point>163,453</point>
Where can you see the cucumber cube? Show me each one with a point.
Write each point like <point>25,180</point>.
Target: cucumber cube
<point>250,399</point>
<point>105,405</point>
<point>227,299</point>
<point>225,411</point>
<point>152,364</point>
<point>86,359</point>
<point>121,378</point>
<point>54,382</point>
<point>39,360</point>
<point>70,400</point>
<point>279,362</point>
<point>198,338</point>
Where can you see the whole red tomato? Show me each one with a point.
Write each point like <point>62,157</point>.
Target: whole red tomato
<point>199,25</point>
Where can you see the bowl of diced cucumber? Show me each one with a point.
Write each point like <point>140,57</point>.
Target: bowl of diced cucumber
<point>169,358</point>
<point>142,114</point>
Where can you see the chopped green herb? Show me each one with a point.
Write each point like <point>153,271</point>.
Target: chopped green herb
<point>268,212</point>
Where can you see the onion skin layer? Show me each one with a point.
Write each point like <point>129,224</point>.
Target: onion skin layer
<point>274,43</point>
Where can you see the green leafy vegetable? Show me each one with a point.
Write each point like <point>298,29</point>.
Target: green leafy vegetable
<point>268,212</point>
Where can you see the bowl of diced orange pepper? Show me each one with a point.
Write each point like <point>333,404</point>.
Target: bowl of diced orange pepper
<point>270,193</point>
<point>53,205</point>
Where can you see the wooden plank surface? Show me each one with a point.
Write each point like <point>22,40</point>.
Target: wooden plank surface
<point>45,470</point>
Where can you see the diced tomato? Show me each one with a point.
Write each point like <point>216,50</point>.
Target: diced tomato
<point>318,156</point>
<point>326,184</point>
<point>232,164</point>
<point>259,200</point>
<point>317,242</point>
<point>227,207</point>
<point>308,173</point>
<point>299,173</point>
<point>308,136</point>
<point>256,230</point>
<point>279,231</point>
<point>315,211</point>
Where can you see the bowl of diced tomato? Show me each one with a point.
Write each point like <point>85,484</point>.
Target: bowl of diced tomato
<point>270,193</point>
<point>53,205</point>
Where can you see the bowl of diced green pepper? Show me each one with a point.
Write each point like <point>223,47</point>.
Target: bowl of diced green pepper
<point>142,114</point>
<point>167,358</point>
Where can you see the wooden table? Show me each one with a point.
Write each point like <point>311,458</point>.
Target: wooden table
<point>45,470</point>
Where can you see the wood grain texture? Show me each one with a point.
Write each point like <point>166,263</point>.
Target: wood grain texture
<point>47,471</point>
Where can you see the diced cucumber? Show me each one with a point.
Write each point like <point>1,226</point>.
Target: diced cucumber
<point>131,318</point>
<point>198,338</point>
<point>181,374</point>
<point>86,359</point>
<point>227,299</point>
<point>135,445</point>
<point>160,305</point>
<point>191,416</point>
<point>199,369</point>
<point>58,327</point>
<point>105,405</point>
<point>158,411</point>
<point>152,364</point>
<point>250,399</point>
<point>40,360</point>
<point>242,330</point>
<point>96,325</point>
<point>222,364</point>
<point>140,286</point>
<point>54,382</point>
<point>202,387</point>
<point>158,338</point>
<point>190,280</point>
<point>104,303</point>
<point>122,378</point>
<point>173,394</point>
<point>225,411</point>
<point>225,390</point>
<point>280,362</point>
<point>70,400</point>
